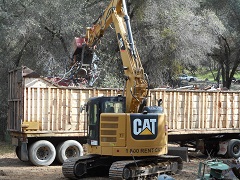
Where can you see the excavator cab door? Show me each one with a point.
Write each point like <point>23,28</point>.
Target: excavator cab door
<point>95,107</point>
<point>93,122</point>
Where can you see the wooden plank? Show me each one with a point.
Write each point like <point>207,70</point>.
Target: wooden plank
<point>18,115</point>
<point>217,110</point>
<point>25,105</point>
<point>61,107</point>
<point>64,109</point>
<point>220,104</point>
<point>227,111</point>
<point>168,108</point>
<point>43,113</point>
<point>49,109</point>
<point>234,109</point>
<point>38,105</point>
<point>186,110</point>
<point>177,108</point>
<point>198,110</point>
<point>57,109</point>
<point>213,108</point>
<point>193,105</point>
<point>29,104</point>
<point>70,109</point>
<point>33,105</point>
<point>81,102</point>
<point>202,111</point>
<point>205,111</point>
<point>189,114</point>
<point>67,109</point>
<point>223,111</point>
<point>54,111</point>
<point>238,108</point>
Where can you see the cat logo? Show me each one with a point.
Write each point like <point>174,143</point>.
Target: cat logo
<point>144,126</point>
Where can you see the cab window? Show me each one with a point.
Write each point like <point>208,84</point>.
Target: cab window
<point>113,107</point>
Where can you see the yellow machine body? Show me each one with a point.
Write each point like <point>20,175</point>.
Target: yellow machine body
<point>124,134</point>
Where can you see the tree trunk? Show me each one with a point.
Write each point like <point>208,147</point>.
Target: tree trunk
<point>20,54</point>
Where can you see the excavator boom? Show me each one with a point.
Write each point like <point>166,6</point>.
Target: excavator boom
<point>116,13</point>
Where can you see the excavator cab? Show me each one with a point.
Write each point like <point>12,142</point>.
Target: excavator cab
<point>99,105</point>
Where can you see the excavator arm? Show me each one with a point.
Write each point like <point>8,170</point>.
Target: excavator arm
<point>136,83</point>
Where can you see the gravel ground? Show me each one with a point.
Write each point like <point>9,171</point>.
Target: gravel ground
<point>11,168</point>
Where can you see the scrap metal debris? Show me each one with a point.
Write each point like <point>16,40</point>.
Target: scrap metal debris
<point>212,169</point>
<point>234,171</point>
<point>84,69</point>
<point>84,66</point>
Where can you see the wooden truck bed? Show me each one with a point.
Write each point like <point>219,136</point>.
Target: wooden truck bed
<point>37,107</point>
<point>194,112</point>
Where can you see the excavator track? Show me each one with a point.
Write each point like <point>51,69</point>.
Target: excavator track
<point>70,169</point>
<point>145,168</point>
<point>118,168</point>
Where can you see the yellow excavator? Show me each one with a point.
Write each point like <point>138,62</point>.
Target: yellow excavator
<point>126,138</point>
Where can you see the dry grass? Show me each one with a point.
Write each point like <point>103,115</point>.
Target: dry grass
<point>6,148</point>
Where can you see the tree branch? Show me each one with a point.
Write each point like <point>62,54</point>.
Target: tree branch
<point>60,37</point>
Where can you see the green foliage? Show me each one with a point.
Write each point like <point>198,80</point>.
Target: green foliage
<point>169,38</point>
<point>227,56</point>
<point>177,67</point>
<point>206,75</point>
<point>202,75</point>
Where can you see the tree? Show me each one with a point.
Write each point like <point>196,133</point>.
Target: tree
<point>172,35</point>
<point>39,34</point>
<point>228,56</point>
<point>169,35</point>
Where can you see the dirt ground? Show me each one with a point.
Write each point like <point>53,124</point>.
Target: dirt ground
<point>11,168</point>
